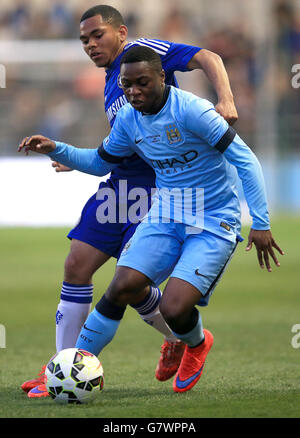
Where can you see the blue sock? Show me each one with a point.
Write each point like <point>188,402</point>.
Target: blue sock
<point>193,337</point>
<point>100,326</point>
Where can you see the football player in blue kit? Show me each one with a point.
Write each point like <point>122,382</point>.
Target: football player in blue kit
<point>104,38</point>
<point>189,146</point>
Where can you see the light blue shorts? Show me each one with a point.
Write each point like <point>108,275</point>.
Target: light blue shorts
<point>164,250</point>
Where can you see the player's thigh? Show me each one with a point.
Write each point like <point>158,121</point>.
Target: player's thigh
<point>153,250</point>
<point>103,233</point>
<point>83,261</point>
<point>203,261</point>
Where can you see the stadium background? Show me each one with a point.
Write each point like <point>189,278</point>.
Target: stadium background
<point>51,87</point>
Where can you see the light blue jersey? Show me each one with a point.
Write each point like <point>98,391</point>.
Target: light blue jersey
<point>187,144</point>
<point>194,153</point>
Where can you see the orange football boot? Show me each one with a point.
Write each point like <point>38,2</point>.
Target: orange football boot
<point>192,364</point>
<point>169,361</point>
<point>30,384</point>
<point>38,391</point>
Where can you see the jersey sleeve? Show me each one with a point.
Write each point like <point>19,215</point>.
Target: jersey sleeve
<point>84,160</point>
<point>174,56</point>
<point>250,172</point>
<point>178,56</point>
<point>119,144</point>
<point>201,118</point>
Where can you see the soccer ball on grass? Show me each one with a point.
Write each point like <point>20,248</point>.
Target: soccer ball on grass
<point>74,376</point>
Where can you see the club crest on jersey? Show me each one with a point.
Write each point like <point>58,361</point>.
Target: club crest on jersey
<point>126,247</point>
<point>173,134</point>
<point>119,81</point>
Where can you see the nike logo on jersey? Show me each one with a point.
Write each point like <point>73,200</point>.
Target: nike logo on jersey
<point>90,330</point>
<point>137,141</point>
<point>199,274</point>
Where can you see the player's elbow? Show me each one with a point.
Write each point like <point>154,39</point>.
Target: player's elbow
<point>212,55</point>
<point>206,57</point>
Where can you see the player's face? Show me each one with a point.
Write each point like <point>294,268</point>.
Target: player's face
<point>101,41</point>
<point>142,85</point>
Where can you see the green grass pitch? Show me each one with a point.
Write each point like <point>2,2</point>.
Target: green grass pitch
<point>252,370</point>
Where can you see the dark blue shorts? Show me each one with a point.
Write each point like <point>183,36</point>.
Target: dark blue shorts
<point>109,237</point>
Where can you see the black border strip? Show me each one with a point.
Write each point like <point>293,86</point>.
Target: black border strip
<point>108,157</point>
<point>225,141</point>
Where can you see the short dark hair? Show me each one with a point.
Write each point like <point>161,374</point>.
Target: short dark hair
<point>140,54</point>
<point>109,14</point>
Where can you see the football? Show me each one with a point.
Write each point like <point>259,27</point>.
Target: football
<point>74,376</point>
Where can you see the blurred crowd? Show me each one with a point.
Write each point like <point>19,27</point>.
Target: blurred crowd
<point>23,20</point>
<point>68,102</point>
<point>49,19</point>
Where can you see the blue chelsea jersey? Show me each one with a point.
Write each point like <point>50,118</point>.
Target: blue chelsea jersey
<point>175,57</point>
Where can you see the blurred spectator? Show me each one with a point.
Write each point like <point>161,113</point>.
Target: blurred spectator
<point>237,52</point>
<point>132,23</point>
<point>175,27</point>
<point>60,113</point>
<point>90,82</point>
<point>61,23</point>
<point>19,19</point>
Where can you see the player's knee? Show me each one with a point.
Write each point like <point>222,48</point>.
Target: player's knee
<point>172,313</point>
<point>120,292</point>
<point>124,288</point>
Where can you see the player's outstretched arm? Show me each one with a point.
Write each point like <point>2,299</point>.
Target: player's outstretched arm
<point>37,143</point>
<point>265,244</point>
<point>212,65</point>
<point>84,160</point>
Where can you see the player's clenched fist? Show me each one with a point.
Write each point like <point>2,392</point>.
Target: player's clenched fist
<point>227,110</point>
<point>37,143</point>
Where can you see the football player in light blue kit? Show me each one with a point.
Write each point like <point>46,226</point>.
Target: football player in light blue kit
<point>189,238</point>
<point>104,39</point>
